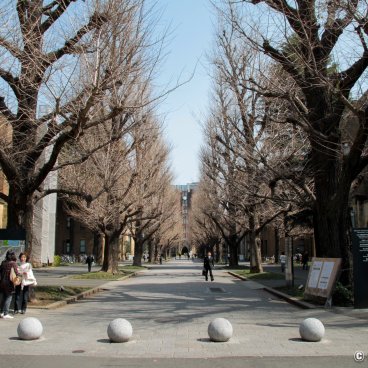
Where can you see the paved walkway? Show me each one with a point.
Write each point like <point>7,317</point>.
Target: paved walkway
<point>170,307</point>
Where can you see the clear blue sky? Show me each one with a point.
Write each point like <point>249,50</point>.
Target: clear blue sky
<point>191,37</point>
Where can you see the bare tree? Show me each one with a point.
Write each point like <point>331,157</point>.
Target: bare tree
<point>164,230</point>
<point>150,190</point>
<point>237,66</point>
<point>170,234</point>
<point>304,38</point>
<point>205,234</point>
<point>66,66</point>
<point>98,192</point>
<point>219,168</point>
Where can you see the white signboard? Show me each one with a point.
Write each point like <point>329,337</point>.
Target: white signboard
<point>325,275</point>
<point>322,277</point>
<point>315,271</point>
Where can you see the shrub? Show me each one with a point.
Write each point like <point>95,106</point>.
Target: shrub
<point>342,295</point>
<point>57,261</point>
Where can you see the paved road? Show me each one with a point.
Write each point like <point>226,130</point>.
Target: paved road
<point>170,308</point>
<point>237,362</point>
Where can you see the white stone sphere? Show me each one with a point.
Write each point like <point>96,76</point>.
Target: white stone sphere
<point>220,330</point>
<point>30,328</point>
<point>119,330</point>
<point>311,329</point>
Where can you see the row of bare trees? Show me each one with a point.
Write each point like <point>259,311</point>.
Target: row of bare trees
<point>287,129</point>
<point>77,97</point>
<point>124,187</point>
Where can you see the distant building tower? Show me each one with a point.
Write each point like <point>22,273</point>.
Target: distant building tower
<point>186,192</point>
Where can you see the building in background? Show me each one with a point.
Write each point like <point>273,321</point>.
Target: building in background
<point>186,193</point>
<point>75,241</point>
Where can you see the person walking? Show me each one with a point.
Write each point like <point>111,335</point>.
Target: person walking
<point>89,261</point>
<point>283,261</point>
<point>208,264</point>
<point>6,285</point>
<point>305,259</point>
<point>22,290</point>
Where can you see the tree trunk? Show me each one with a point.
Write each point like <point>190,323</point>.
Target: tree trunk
<point>256,256</point>
<point>20,216</point>
<point>151,252</point>
<point>330,232</point>
<point>156,252</point>
<point>138,248</point>
<point>138,252</point>
<point>232,242</point>
<point>277,245</point>
<point>98,247</point>
<point>110,262</point>
<point>255,246</point>
<point>331,217</point>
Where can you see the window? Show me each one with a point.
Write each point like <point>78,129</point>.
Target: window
<point>82,246</point>
<point>68,221</point>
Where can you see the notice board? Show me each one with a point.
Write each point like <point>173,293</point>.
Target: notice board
<point>14,239</point>
<point>322,276</point>
<point>360,261</point>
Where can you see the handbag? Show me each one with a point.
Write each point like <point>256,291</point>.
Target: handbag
<point>29,279</point>
<point>16,280</point>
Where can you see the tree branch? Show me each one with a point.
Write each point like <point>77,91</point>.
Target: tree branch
<point>5,110</point>
<point>86,197</point>
<point>70,45</point>
<point>10,48</point>
<point>270,219</point>
<point>55,14</point>
<point>4,197</point>
<point>350,76</point>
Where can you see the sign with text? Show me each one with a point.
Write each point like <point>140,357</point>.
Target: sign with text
<point>322,276</point>
<point>360,263</point>
<point>12,239</point>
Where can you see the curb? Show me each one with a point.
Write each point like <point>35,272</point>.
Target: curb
<point>84,294</point>
<point>238,276</point>
<point>290,299</point>
<point>286,297</point>
<point>71,299</point>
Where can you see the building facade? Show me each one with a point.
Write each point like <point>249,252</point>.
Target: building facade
<point>186,192</point>
<point>75,240</point>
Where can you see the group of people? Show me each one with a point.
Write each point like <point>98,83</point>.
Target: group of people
<point>304,259</point>
<point>23,271</point>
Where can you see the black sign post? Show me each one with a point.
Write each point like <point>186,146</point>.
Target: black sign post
<point>360,260</point>
<point>12,234</point>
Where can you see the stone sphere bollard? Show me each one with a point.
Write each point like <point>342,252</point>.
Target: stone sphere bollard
<point>30,328</point>
<point>311,329</point>
<point>119,330</point>
<point>220,330</point>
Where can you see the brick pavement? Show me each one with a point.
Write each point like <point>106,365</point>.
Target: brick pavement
<point>170,308</point>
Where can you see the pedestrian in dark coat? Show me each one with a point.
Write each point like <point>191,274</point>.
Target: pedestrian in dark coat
<point>305,259</point>
<point>6,285</point>
<point>89,261</point>
<point>208,264</point>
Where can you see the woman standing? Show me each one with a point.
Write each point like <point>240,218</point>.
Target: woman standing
<point>22,290</point>
<point>6,285</point>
